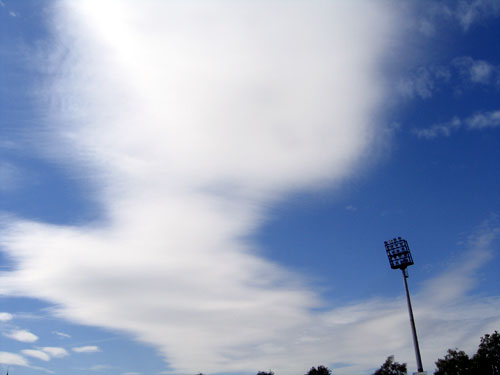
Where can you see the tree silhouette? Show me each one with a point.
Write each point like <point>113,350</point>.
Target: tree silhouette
<point>485,362</point>
<point>391,368</point>
<point>487,359</point>
<point>321,370</point>
<point>265,373</point>
<point>456,362</point>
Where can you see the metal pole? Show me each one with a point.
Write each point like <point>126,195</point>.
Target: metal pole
<point>412,321</point>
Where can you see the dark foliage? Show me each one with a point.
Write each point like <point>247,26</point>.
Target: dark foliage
<point>454,363</point>
<point>265,373</point>
<point>321,370</point>
<point>487,359</point>
<point>391,368</point>
<point>485,362</point>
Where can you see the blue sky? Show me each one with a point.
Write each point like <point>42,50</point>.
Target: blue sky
<point>207,186</point>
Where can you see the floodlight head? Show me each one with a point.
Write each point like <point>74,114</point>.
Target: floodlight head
<point>398,253</point>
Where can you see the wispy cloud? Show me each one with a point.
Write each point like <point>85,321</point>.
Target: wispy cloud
<point>477,71</point>
<point>421,83</point>
<point>86,349</point>
<point>61,334</point>
<point>7,358</point>
<point>38,354</point>
<point>436,130</point>
<point>462,73</point>
<point>465,13</point>
<point>483,120</point>
<point>5,317</point>
<point>55,352</point>
<point>471,12</point>
<point>478,121</point>
<point>21,335</point>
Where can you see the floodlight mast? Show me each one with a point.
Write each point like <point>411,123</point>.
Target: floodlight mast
<point>399,255</point>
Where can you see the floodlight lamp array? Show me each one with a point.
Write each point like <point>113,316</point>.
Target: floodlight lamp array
<point>398,253</point>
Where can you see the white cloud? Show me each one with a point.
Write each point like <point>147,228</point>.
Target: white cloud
<point>424,81</point>
<point>419,84</point>
<point>461,73</point>
<point>476,71</point>
<point>466,13</point>
<point>471,12</point>
<point>62,334</point>
<point>7,358</point>
<point>36,354</point>
<point>481,120</point>
<point>86,349</point>
<point>21,335</point>
<point>478,121</point>
<point>444,129</point>
<point>192,118</point>
<point>55,352</point>
<point>5,317</point>
<point>481,72</point>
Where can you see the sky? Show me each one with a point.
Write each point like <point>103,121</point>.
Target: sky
<point>206,186</point>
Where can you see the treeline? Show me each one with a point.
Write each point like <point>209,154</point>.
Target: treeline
<point>486,361</point>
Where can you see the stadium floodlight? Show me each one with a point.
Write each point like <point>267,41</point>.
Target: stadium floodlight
<point>399,256</point>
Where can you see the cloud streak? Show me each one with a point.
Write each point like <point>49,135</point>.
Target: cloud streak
<point>467,13</point>
<point>476,72</point>
<point>471,12</point>
<point>21,335</point>
<point>478,121</point>
<point>55,351</point>
<point>7,358</point>
<point>5,317</point>
<point>462,73</point>
<point>38,354</point>
<point>86,349</point>
<point>61,334</point>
